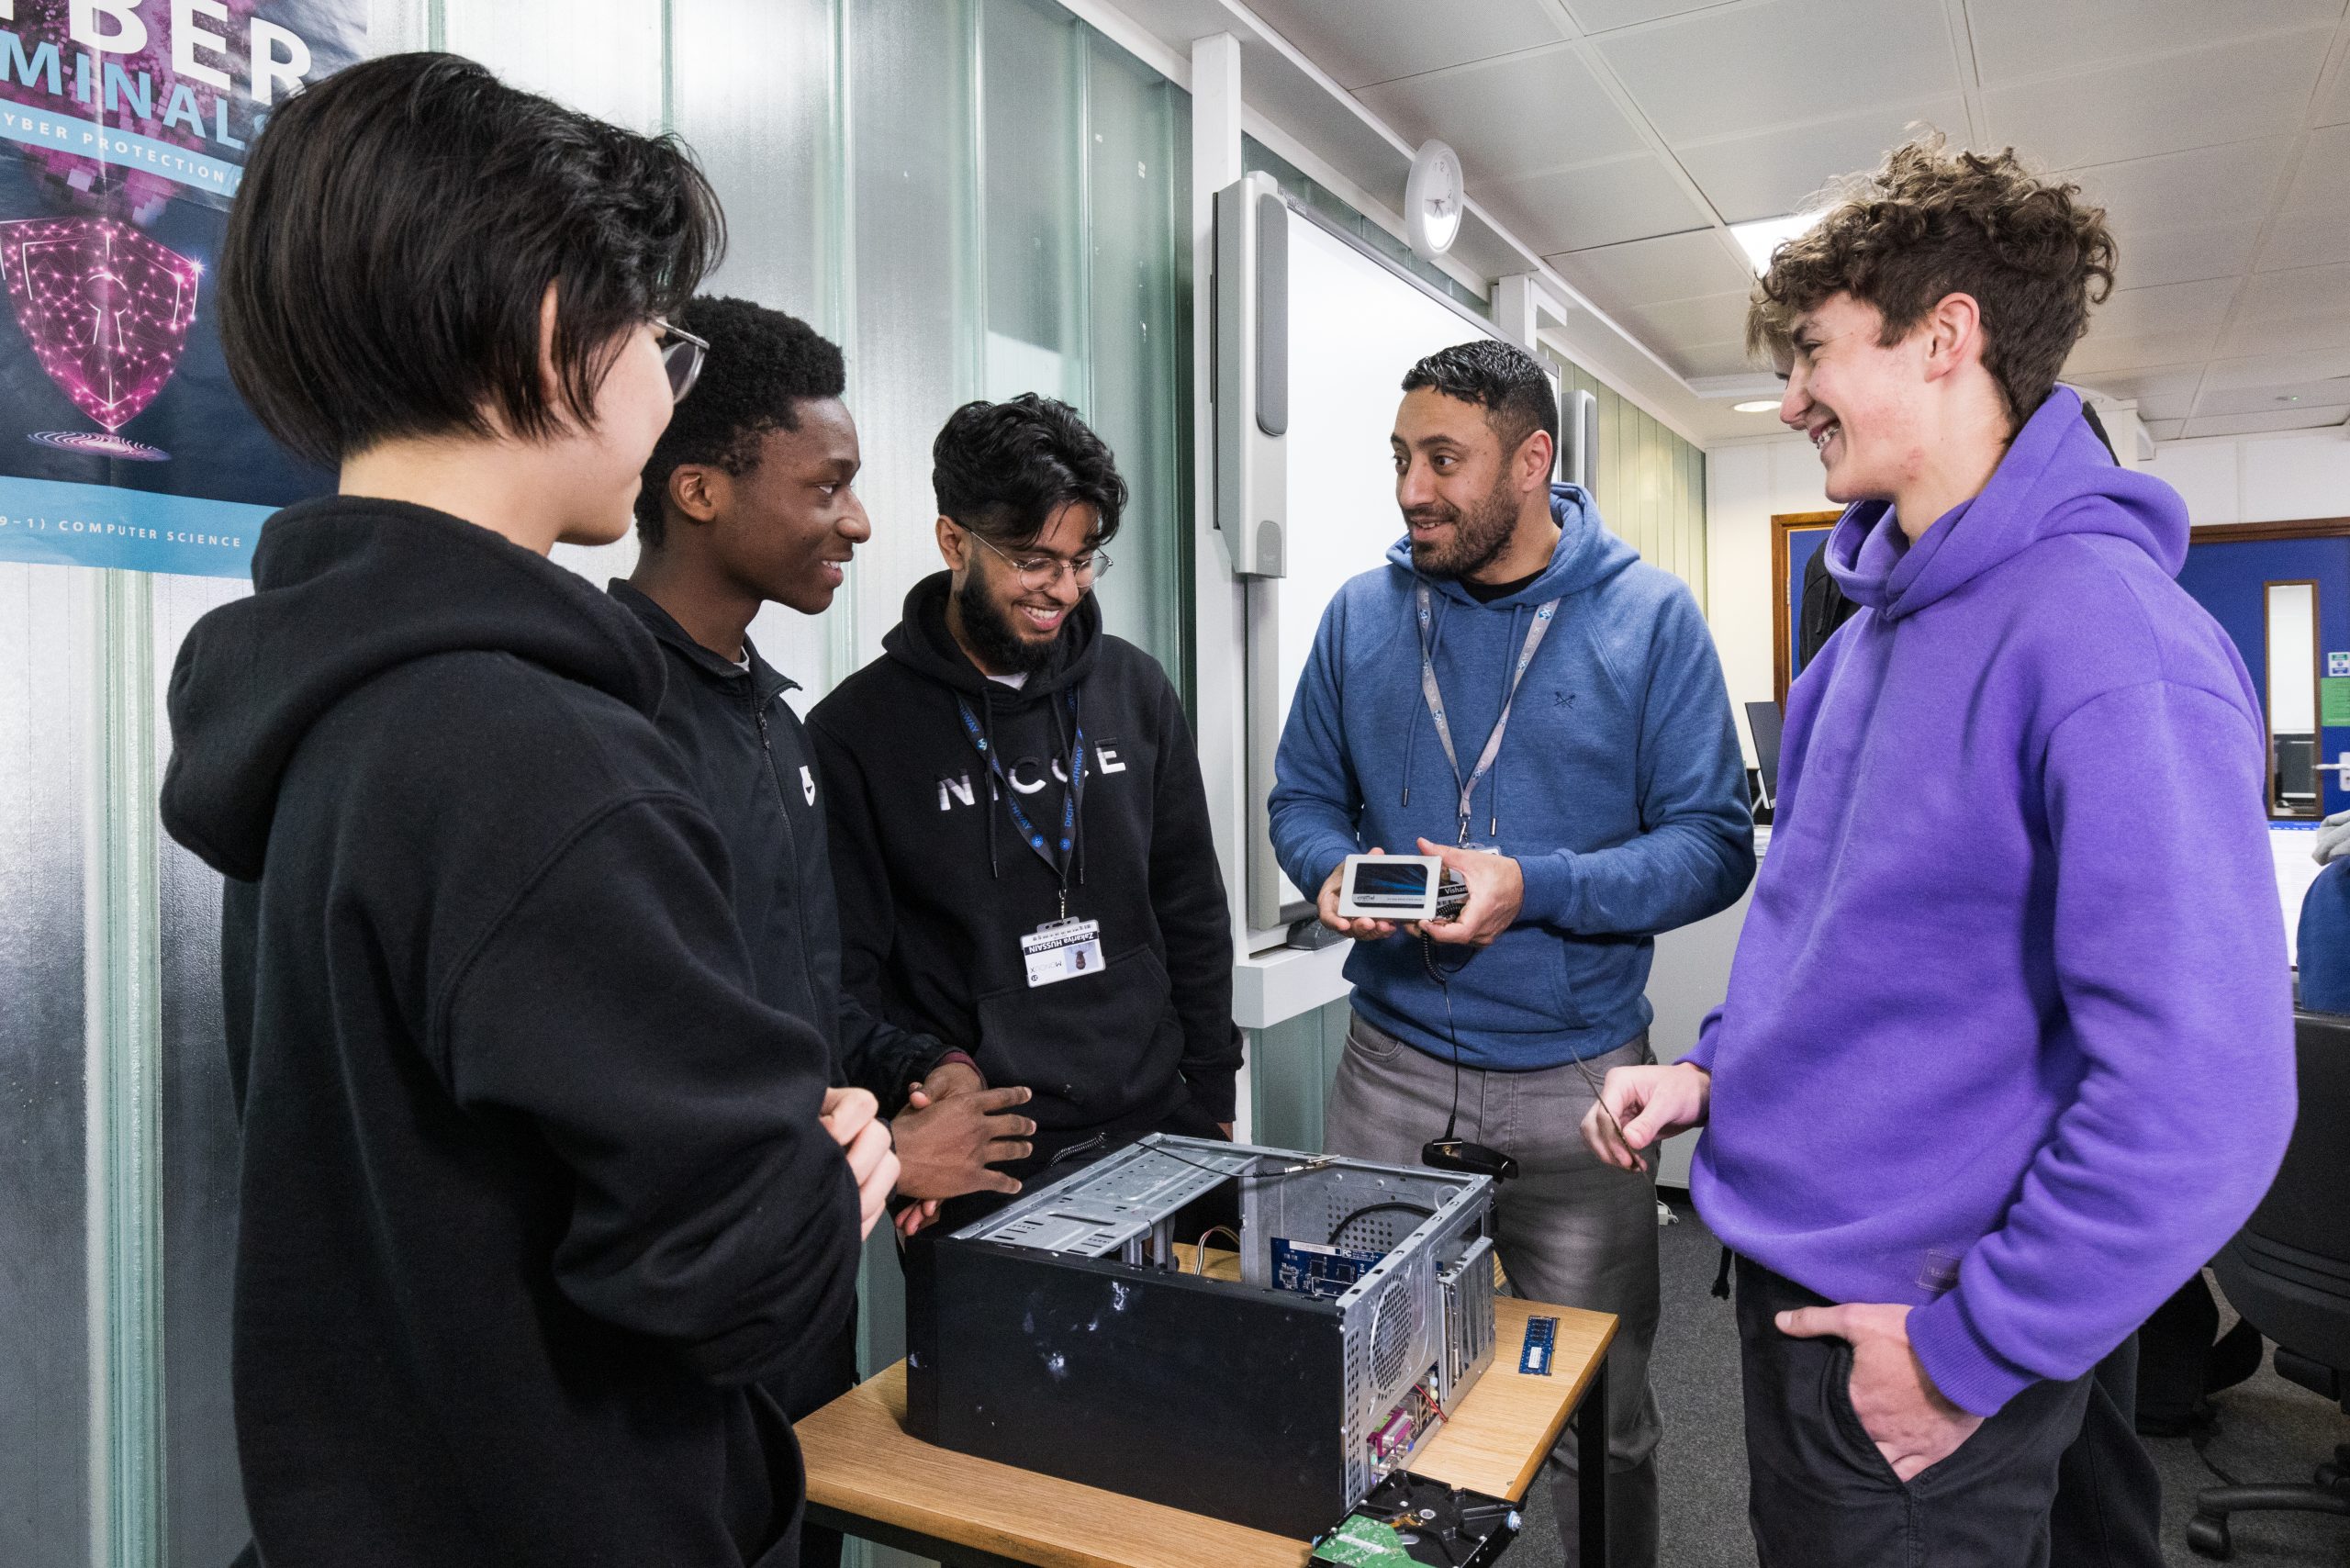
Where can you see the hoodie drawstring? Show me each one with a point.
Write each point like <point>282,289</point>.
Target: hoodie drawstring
<point>986,774</point>
<point>1494,826</point>
<point>1412,730</point>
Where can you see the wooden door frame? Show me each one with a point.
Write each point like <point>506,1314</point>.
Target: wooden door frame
<point>1782,643</point>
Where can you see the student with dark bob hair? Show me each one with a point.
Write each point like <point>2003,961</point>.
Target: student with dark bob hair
<point>535,1192</point>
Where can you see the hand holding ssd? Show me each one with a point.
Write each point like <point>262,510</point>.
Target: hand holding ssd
<point>1400,888</point>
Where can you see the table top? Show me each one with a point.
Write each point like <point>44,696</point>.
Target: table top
<point>861,1463</point>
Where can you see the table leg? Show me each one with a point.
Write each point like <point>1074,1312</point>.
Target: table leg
<point>913,1542</point>
<point>1591,1477</point>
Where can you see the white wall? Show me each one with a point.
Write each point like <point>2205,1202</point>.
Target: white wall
<point>2259,478</point>
<point>1746,485</point>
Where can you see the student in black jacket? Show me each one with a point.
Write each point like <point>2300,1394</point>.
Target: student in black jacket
<point>534,1189</point>
<point>750,499</point>
<point>1019,829</point>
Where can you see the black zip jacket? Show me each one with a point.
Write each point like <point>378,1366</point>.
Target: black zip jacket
<point>532,1187</point>
<point>747,757</point>
<point>937,885</point>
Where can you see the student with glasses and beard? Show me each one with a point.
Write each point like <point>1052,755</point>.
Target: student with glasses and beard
<point>1020,832</point>
<point>1517,693</point>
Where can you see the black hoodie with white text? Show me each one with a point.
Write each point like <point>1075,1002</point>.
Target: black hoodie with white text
<point>533,1188</point>
<point>938,885</point>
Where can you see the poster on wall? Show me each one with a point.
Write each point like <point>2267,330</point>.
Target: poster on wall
<point>124,125</point>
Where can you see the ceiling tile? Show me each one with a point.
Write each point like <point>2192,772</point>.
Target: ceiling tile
<point>2278,400</point>
<point>2230,92</point>
<point>1643,272</point>
<point>1605,16</point>
<point>2092,357</point>
<point>2321,182</point>
<point>1598,203</point>
<point>1518,115</point>
<point>2302,292</point>
<point>2257,424</point>
<point>1711,359</point>
<point>2017,38</point>
<point>2336,110</point>
<point>1362,42</point>
<point>2303,333</point>
<point>2307,241</point>
<point>1714,318</point>
<point>2176,381</point>
<point>2173,307</point>
<point>2165,429</point>
<point>2184,255</point>
<point>1775,171</point>
<point>2235,183</point>
<point>2276,369</point>
<point>1726,71</point>
<point>2176,406</point>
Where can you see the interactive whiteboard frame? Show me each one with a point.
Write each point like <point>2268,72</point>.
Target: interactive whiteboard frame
<point>1280,426</point>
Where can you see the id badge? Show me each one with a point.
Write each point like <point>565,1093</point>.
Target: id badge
<point>1062,949</point>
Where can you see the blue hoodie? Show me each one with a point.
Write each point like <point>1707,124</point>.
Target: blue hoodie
<point>1619,789</point>
<point>2009,1034</point>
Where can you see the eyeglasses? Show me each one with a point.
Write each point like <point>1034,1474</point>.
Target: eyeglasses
<point>1037,572</point>
<point>681,356</point>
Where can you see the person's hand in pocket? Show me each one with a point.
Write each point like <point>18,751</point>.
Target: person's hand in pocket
<point>1902,1411</point>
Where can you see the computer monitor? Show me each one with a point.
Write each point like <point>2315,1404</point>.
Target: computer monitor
<point>1763,721</point>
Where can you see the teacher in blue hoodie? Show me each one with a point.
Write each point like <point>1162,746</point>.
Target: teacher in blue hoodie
<point>1516,692</point>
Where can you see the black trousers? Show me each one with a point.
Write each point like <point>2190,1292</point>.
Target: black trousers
<point>1821,1496</point>
<point>2108,1505</point>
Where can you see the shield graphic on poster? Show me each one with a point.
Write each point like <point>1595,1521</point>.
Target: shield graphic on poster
<point>107,311</point>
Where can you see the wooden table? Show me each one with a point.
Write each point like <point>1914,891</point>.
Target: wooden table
<point>866,1477</point>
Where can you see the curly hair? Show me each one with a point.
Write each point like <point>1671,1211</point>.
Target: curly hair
<point>1002,469</point>
<point>762,365</point>
<point>2030,252</point>
<point>1501,378</point>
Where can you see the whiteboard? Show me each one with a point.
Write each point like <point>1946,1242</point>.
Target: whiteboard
<point>1356,325</point>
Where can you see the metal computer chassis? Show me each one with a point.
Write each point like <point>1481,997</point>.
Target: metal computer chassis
<point>1059,1335</point>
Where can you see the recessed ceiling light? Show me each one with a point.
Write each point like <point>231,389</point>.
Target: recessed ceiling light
<point>1763,236</point>
<point>1758,406</point>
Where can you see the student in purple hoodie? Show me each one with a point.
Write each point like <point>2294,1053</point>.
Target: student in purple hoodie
<point>2008,1048</point>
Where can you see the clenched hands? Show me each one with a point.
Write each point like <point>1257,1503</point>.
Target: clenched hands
<point>854,1118</point>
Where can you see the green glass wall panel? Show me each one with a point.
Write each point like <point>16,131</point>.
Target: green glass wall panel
<point>1291,1067</point>
<point>1651,484</point>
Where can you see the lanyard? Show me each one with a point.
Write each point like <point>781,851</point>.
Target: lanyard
<point>1069,797</point>
<point>1435,698</point>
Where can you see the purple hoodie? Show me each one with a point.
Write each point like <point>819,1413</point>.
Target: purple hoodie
<point>2009,1032</point>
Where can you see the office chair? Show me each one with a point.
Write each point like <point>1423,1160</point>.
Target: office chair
<point>2287,1271</point>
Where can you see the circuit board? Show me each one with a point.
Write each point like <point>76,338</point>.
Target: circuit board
<point>1313,1268</point>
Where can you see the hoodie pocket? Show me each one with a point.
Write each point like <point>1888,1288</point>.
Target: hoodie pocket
<point>1093,1049</point>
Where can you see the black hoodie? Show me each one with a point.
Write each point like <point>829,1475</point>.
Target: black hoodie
<point>937,885</point>
<point>749,760</point>
<point>533,1188</point>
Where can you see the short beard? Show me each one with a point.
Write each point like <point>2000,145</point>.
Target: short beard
<point>992,634</point>
<point>1479,537</point>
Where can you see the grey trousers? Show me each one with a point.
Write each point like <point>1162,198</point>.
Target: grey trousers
<point>1568,1228</point>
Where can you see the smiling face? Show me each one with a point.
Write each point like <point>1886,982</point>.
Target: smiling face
<point>1455,484</point>
<point>787,525</point>
<point>1004,625</point>
<point>1860,403</point>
